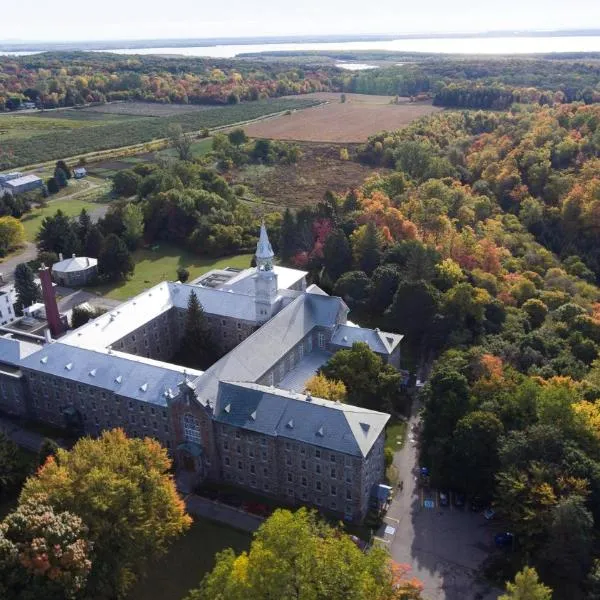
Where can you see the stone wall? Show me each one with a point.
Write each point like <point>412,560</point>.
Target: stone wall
<point>12,391</point>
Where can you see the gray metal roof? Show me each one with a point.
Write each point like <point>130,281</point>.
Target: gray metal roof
<point>379,341</point>
<point>13,351</point>
<point>143,380</point>
<point>259,352</point>
<point>74,264</point>
<point>270,411</point>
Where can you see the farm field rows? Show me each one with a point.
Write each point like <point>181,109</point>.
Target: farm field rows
<point>147,109</point>
<point>352,121</point>
<point>59,138</point>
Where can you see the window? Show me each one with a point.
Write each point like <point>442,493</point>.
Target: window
<point>290,478</point>
<point>263,441</point>
<point>238,449</point>
<point>222,321</point>
<point>333,473</point>
<point>266,486</point>
<point>333,490</point>
<point>321,340</point>
<point>227,461</point>
<point>250,452</point>
<point>303,450</point>
<point>317,468</point>
<point>240,465</point>
<point>288,460</point>
<point>303,464</point>
<point>225,445</point>
<point>252,469</point>
<point>191,428</point>
<point>332,458</point>
<point>304,481</point>
<point>239,325</point>
<point>348,476</point>
<point>333,505</point>
<point>238,435</point>
<point>290,492</point>
<point>317,454</point>
<point>264,455</point>
<point>348,495</point>
<point>318,486</point>
<point>265,472</point>
<point>287,445</point>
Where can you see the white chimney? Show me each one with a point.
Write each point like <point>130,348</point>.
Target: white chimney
<point>60,256</point>
<point>47,335</point>
<point>73,254</point>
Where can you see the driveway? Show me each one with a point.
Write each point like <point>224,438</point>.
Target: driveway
<point>8,265</point>
<point>444,546</point>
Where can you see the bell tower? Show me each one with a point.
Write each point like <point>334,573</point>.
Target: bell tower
<point>265,279</point>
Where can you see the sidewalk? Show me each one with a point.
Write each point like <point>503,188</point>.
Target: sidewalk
<point>222,513</point>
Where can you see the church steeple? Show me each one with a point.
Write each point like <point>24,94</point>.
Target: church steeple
<point>264,251</point>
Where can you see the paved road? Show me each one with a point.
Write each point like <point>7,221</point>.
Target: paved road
<point>444,546</point>
<point>8,265</point>
<point>69,298</point>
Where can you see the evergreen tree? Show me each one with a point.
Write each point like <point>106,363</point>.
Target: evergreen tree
<point>93,242</point>
<point>58,234</point>
<point>527,587</point>
<point>62,165</point>
<point>287,237</point>
<point>367,247</point>
<point>84,224</point>
<point>27,290</point>
<point>197,349</point>
<point>337,255</point>
<point>115,261</point>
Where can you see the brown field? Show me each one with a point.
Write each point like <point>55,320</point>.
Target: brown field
<point>353,121</point>
<point>319,169</point>
<point>145,109</point>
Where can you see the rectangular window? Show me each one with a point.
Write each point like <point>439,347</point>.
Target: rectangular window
<point>288,460</point>
<point>290,478</point>
<point>265,472</point>
<point>317,468</point>
<point>304,481</point>
<point>238,435</point>
<point>252,469</point>
<point>333,474</point>
<point>321,340</point>
<point>227,461</point>
<point>332,458</point>
<point>238,449</point>
<point>348,495</point>
<point>318,486</point>
<point>240,466</point>
<point>250,452</point>
<point>317,453</point>
<point>225,445</point>
<point>303,464</point>
<point>333,490</point>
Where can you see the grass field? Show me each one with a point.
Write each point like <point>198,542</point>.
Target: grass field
<point>74,133</point>
<point>352,121</point>
<point>152,267</point>
<point>395,434</point>
<point>188,560</point>
<point>71,207</point>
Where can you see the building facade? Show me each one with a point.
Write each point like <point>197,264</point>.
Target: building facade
<point>246,420</point>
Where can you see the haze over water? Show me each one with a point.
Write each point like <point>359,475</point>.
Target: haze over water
<point>468,45</point>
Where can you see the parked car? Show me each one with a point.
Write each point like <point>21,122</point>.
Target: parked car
<point>459,500</point>
<point>489,513</point>
<point>444,499</point>
<point>504,539</point>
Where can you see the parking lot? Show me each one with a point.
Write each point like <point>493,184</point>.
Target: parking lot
<point>444,545</point>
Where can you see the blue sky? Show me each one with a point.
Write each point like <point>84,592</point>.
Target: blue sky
<point>138,19</point>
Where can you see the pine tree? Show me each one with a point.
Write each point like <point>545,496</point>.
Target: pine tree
<point>58,234</point>
<point>28,292</point>
<point>337,255</point>
<point>527,587</point>
<point>369,249</point>
<point>84,225</point>
<point>115,261</point>
<point>93,242</point>
<point>287,237</point>
<point>197,349</point>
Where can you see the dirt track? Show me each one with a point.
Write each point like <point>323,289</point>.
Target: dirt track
<point>353,121</point>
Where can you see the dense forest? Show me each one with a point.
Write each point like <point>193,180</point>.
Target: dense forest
<point>61,79</point>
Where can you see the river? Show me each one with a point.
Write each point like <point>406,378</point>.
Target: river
<point>456,45</point>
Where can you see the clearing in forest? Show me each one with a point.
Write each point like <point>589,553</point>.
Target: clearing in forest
<point>352,121</point>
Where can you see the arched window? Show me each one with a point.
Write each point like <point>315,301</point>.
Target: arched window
<point>191,428</point>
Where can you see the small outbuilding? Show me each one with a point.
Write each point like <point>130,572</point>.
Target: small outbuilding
<point>20,185</point>
<point>79,172</point>
<point>75,271</point>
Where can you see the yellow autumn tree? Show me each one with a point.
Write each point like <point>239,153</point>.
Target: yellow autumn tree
<point>330,389</point>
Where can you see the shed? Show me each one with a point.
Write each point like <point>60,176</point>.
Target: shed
<point>79,172</point>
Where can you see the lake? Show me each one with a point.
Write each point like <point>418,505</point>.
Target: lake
<point>467,45</point>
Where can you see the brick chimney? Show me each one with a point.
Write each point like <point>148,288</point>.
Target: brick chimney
<point>52,314</point>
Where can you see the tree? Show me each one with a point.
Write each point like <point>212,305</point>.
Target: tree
<point>369,381</point>
<point>321,387</point>
<point>27,290</point>
<point>62,165</point>
<point>181,142</point>
<point>384,283</point>
<point>133,223</point>
<point>93,242</point>
<point>124,493</point>
<point>60,177</point>
<point>58,234</point>
<point>366,247</point>
<point>48,448</point>
<point>237,137</point>
<point>52,185</point>
<point>43,553</point>
<point>12,234</point>
<point>197,348</point>
<point>288,237</point>
<point>526,587</point>
<point>12,467</point>
<point>115,261</point>
<point>536,311</point>
<point>125,183</point>
<point>337,254</point>
<point>182,274</point>
<point>80,316</point>
<point>84,224</point>
<point>295,555</point>
<point>353,287</point>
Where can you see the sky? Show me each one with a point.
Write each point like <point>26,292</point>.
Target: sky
<point>73,20</point>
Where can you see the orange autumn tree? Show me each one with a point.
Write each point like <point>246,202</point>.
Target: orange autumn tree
<point>123,491</point>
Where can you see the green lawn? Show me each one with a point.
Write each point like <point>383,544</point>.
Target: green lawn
<point>152,267</point>
<point>199,148</point>
<point>188,560</point>
<point>395,434</point>
<point>71,207</point>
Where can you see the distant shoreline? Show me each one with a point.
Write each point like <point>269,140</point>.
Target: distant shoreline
<point>33,46</point>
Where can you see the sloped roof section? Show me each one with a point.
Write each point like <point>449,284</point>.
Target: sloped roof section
<point>379,341</point>
<point>332,425</point>
<point>74,264</point>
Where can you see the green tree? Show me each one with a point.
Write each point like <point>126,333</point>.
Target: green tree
<point>384,283</point>
<point>526,586</point>
<point>123,491</point>
<point>197,348</point>
<point>181,141</point>
<point>12,466</point>
<point>52,185</point>
<point>536,311</point>
<point>115,261</point>
<point>60,176</point>
<point>337,254</point>
<point>126,183</point>
<point>80,316</point>
<point>182,274</point>
<point>48,448</point>
<point>295,555</point>
<point>27,290</point>
<point>369,381</point>
<point>366,246</point>
<point>353,287</point>
<point>237,137</point>
<point>84,224</point>
<point>12,234</point>
<point>62,165</point>
<point>133,223</point>
<point>93,242</point>
<point>288,237</point>
<point>58,234</point>
<point>43,553</point>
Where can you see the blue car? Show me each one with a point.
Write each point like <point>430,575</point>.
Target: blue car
<point>504,540</point>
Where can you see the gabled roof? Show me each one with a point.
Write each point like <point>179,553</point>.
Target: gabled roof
<point>379,341</point>
<point>126,375</point>
<point>253,357</point>
<point>274,412</point>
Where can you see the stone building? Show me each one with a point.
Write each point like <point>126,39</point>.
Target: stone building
<point>75,271</point>
<point>246,420</point>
